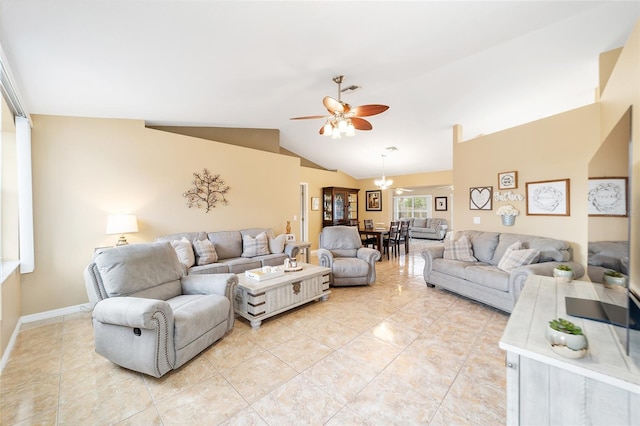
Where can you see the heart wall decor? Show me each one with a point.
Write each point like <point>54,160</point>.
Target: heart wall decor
<point>480,198</point>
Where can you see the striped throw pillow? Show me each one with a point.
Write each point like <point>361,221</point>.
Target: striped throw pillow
<point>515,256</point>
<point>257,246</point>
<point>205,252</point>
<point>459,249</point>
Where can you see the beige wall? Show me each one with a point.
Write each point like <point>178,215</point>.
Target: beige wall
<point>557,147</point>
<point>85,169</point>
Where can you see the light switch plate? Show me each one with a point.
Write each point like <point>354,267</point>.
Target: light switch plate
<point>476,220</point>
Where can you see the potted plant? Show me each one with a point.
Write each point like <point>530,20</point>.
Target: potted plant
<point>508,214</point>
<point>566,338</point>
<point>563,273</point>
<point>613,279</point>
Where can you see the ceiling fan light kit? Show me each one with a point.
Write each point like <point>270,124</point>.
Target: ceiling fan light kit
<point>344,120</point>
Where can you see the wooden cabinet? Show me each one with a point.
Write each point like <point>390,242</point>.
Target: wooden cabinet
<point>339,206</point>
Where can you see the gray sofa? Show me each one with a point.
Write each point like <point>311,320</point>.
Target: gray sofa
<point>147,315</point>
<point>430,228</point>
<point>482,279</point>
<point>230,251</point>
<point>607,256</point>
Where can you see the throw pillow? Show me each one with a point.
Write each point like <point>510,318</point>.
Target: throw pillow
<point>184,251</point>
<point>276,244</point>
<point>459,249</point>
<point>515,256</point>
<point>257,246</point>
<point>205,252</point>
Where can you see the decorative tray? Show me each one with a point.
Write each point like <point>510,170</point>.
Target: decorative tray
<point>264,273</point>
<point>297,268</point>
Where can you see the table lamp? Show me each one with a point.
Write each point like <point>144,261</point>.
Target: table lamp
<point>121,224</point>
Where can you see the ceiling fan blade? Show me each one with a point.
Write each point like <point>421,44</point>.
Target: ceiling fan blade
<point>367,110</point>
<point>361,123</point>
<point>309,117</point>
<point>332,105</point>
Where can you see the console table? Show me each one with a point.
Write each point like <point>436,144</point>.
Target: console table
<point>545,388</point>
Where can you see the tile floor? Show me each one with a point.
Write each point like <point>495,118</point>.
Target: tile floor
<point>393,353</point>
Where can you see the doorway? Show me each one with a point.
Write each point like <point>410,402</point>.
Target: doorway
<point>304,228</point>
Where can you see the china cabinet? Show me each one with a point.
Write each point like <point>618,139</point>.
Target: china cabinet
<point>339,206</point>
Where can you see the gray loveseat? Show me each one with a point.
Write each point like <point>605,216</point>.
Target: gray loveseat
<point>482,279</point>
<point>230,254</point>
<point>430,228</point>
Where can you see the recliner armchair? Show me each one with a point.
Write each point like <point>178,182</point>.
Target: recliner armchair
<point>341,250</point>
<point>147,316</point>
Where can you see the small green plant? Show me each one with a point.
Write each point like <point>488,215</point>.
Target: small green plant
<point>564,268</point>
<point>564,326</point>
<point>614,274</point>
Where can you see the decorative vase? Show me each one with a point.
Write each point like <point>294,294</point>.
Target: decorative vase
<point>569,345</point>
<point>508,220</point>
<point>614,282</point>
<point>562,275</point>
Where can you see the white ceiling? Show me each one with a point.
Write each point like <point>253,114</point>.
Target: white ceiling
<point>485,65</point>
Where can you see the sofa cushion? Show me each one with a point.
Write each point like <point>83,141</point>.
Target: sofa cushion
<point>551,250</point>
<point>350,267</point>
<point>184,251</point>
<point>228,243</point>
<point>515,256</point>
<point>211,268</point>
<point>488,276</point>
<point>484,244</point>
<point>276,244</point>
<point>459,249</point>
<point>209,311</point>
<point>455,268</point>
<point>419,222</point>
<point>205,252</point>
<point>252,247</point>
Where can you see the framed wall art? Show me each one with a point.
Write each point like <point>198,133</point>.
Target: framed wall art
<point>441,204</point>
<point>608,196</point>
<point>507,180</point>
<point>374,201</point>
<point>480,198</point>
<point>315,203</point>
<point>548,198</point>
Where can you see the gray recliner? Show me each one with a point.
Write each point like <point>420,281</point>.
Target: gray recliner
<point>147,316</point>
<point>341,250</point>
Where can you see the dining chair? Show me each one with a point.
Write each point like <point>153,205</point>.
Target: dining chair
<point>390,240</point>
<point>369,240</point>
<point>403,237</point>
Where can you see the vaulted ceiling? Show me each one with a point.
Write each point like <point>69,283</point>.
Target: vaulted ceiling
<point>485,65</point>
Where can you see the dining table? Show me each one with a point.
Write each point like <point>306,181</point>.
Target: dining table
<point>379,233</point>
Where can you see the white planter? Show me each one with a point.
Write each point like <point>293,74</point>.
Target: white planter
<point>615,282</point>
<point>568,345</point>
<point>563,276</point>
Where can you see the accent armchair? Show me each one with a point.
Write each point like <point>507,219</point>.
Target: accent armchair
<point>341,250</point>
<point>147,316</point>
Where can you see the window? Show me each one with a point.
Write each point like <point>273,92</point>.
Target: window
<point>412,206</point>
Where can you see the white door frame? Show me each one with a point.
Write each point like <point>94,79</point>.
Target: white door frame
<point>304,209</point>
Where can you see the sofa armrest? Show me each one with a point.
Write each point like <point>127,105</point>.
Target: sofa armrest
<point>371,256</point>
<point>292,249</point>
<point>441,230</point>
<point>429,254</point>
<point>134,312</point>
<point>325,257</point>
<point>221,284</point>
<point>519,275</point>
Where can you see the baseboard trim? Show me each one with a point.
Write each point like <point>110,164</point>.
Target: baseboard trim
<point>38,317</point>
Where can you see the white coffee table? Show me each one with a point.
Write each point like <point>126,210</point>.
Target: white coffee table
<point>258,300</point>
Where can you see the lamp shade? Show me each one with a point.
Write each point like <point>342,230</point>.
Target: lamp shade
<point>122,224</point>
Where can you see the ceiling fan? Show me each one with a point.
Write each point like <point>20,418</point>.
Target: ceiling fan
<point>400,191</point>
<point>343,118</point>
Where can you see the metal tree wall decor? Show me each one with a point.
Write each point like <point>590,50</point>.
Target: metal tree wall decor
<point>207,190</point>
